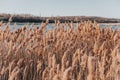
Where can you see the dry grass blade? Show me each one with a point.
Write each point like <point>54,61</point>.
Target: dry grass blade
<point>87,52</point>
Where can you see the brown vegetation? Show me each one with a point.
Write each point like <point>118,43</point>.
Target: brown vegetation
<point>83,53</point>
<point>31,18</point>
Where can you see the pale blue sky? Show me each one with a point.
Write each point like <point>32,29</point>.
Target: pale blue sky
<point>104,8</point>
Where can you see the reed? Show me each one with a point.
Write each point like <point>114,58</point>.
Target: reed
<point>83,53</point>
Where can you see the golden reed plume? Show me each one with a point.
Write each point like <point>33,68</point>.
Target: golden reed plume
<point>84,52</point>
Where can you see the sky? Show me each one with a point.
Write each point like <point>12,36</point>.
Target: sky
<point>103,8</point>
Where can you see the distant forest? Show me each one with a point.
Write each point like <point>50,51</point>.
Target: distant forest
<point>31,18</point>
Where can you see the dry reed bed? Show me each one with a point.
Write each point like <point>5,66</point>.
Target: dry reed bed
<point>85,53</point>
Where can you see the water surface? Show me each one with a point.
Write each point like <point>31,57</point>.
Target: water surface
<point>51,26</point>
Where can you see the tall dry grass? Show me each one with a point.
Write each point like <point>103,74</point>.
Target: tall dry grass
<point>83,53</point>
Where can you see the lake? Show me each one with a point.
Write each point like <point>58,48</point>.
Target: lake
<point>52,26</point>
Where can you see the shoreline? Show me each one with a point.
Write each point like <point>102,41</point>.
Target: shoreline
<point>37,19</point>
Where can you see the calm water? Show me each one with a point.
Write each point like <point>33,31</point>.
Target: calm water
<point>51,26</point>
<point>113,26</point>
